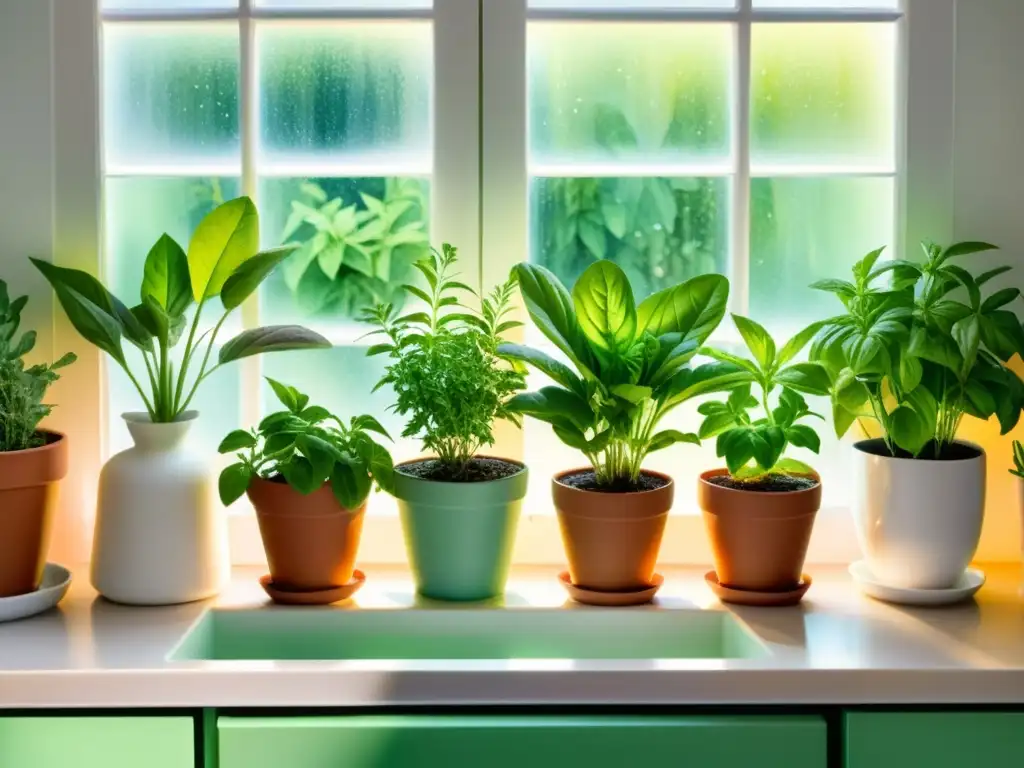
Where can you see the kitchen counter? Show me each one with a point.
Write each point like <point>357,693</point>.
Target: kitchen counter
<point>838,647</point>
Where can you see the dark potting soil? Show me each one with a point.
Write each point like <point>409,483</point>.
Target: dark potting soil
<point>587,481</point>
<point>479,470</point>
<point>766,484</point>
<point>952,452</point>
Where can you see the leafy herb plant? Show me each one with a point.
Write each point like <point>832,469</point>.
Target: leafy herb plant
<point>755,447</point>
<point>445,371</point>
<point>357,254</point>
<point>21,389</point>
<point>1018,459</point>
<point>919,347</point>
<point>628,365</point>
<point>222,261</point>
<point>308,446</point>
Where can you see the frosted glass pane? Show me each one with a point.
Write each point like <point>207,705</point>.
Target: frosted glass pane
<point>139,210</point>
<point>600,91</point>
<point>660,231</point>
<point>362,4</point>
<point>626,5</point>
<point>341,380</point>
<point>370,232</point>
<point>171,93</point>
<point>824,94</point>
<point>217,401</point>
<point>166,5</point>
<point>803,230</point>
<point>359,89</point>
<point>847,5</point>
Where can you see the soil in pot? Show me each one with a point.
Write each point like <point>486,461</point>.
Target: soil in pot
<point>612,536</point>
<point>28,497</point>
<point>480,469</point>
<point>957,451</point>
<point>758,536</point>
<point>311,541</point>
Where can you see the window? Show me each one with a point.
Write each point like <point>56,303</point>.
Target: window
<point>763,139</point>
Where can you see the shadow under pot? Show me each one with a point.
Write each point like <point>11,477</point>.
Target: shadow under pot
<point>311,541</point>
<point>759,538</point>
<point>918,520</point>
<point>611,538</point>
<point>459,534</point>
<point>28,501</point>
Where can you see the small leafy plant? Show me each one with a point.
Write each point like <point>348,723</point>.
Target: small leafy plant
<point>631,363</point>
<point>445,371</point>
<point>920,347</point>
<point>308,446</point>
<point>354,256</point>
<point>222,261</point>
<point>21,389</point>
<point>756,447</point>
<point>1018,459</point>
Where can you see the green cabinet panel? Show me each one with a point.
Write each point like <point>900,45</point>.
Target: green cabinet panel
<point>934,740</point>
<point>419,741</point>
<point>96,742</point>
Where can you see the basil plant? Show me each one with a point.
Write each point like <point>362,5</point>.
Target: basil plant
<point>223,262</point>
<point>628,365</point>
<point>920,346</point>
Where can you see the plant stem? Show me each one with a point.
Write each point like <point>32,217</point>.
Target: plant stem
<point>188,354</point>
<point>202,368</point>
<point>149,406</point>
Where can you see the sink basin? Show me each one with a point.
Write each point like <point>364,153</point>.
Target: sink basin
<point>304,635</point>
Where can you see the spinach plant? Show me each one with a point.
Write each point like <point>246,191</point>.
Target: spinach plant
<point>308,446</point>
<point>21,389</point>
<point>444,368</point>
<point>754,447</point>
<point>222,260</point>
<point>628,366</point>
<point>919,347</point>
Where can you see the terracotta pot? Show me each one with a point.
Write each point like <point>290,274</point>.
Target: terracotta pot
<point>311,541</point>
<point>611,539</point>
<point>758,539</point>
<point>28,502</point>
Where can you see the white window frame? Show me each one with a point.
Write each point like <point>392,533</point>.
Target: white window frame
<point>479,195</point>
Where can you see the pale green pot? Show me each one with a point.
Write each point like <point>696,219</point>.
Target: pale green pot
<point>459,536</point>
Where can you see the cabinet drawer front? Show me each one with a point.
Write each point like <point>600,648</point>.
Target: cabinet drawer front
<point>96,742</point>
<point>521,742</point>
<point>934,740</point>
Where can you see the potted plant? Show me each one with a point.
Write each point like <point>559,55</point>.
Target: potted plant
<point>32,460</point>
<point>308,475</point>
<point>1018,470</point>
<point>627,367</point>
<point>160,536</point>
<point>760,509</point>
<point>459,508</point>
<point>918,348</point>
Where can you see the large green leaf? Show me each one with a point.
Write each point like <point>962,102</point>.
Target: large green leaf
<point>793,347</point>
<point>155,320</point>
<point>908,429</point>
<point>249,274</point>
<point>551,308</point>
<point>96,322</point>
<point>558,372</point>
<point>165,278</point>
<point>604,306</point>
<point>271,338</point>
<point>233,482</point>
<point>965,249</point>
<point>670,437</point>
<point>936,348</point>
<point>674,352</point>
<point>702,380</point>
<point>554,405</point>
<point>224,239</point>
<point>694,308</point>
<point>809,378</point>
<point>299,474</point>
<point>1002,334</point>
<point>967,335</point>
<point>757,339</point>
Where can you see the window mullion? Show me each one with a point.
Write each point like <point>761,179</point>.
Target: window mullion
<point>251,367</point>
<point>739,264</point>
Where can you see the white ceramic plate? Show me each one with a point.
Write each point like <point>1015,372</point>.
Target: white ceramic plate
<point>56,580</point>
<point>969,583</point>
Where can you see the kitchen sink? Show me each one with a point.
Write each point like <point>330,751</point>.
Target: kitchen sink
<point>417,634</point>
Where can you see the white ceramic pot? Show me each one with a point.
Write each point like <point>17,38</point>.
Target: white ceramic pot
<point>918,520</point>
<point>161,533</point>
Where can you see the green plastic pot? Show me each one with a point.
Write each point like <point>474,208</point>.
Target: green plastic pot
<point>459,536</point>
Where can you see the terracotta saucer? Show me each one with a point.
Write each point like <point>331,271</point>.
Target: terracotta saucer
<point>750,597</point>
<point>313,596</point>
<point>611,599</point>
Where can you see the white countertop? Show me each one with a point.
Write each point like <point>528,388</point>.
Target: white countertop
<point>838,647</point>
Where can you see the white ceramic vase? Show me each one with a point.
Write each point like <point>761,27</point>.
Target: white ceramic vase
<point>918,520</point>
<point>161,533</point>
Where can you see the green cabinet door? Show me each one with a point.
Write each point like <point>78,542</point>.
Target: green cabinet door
<point>96,742</point>
<point>417,741</point>
<point>934,740</point>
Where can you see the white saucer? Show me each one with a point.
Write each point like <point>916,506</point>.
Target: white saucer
<point>56,580</point>
<point>969,583</point>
